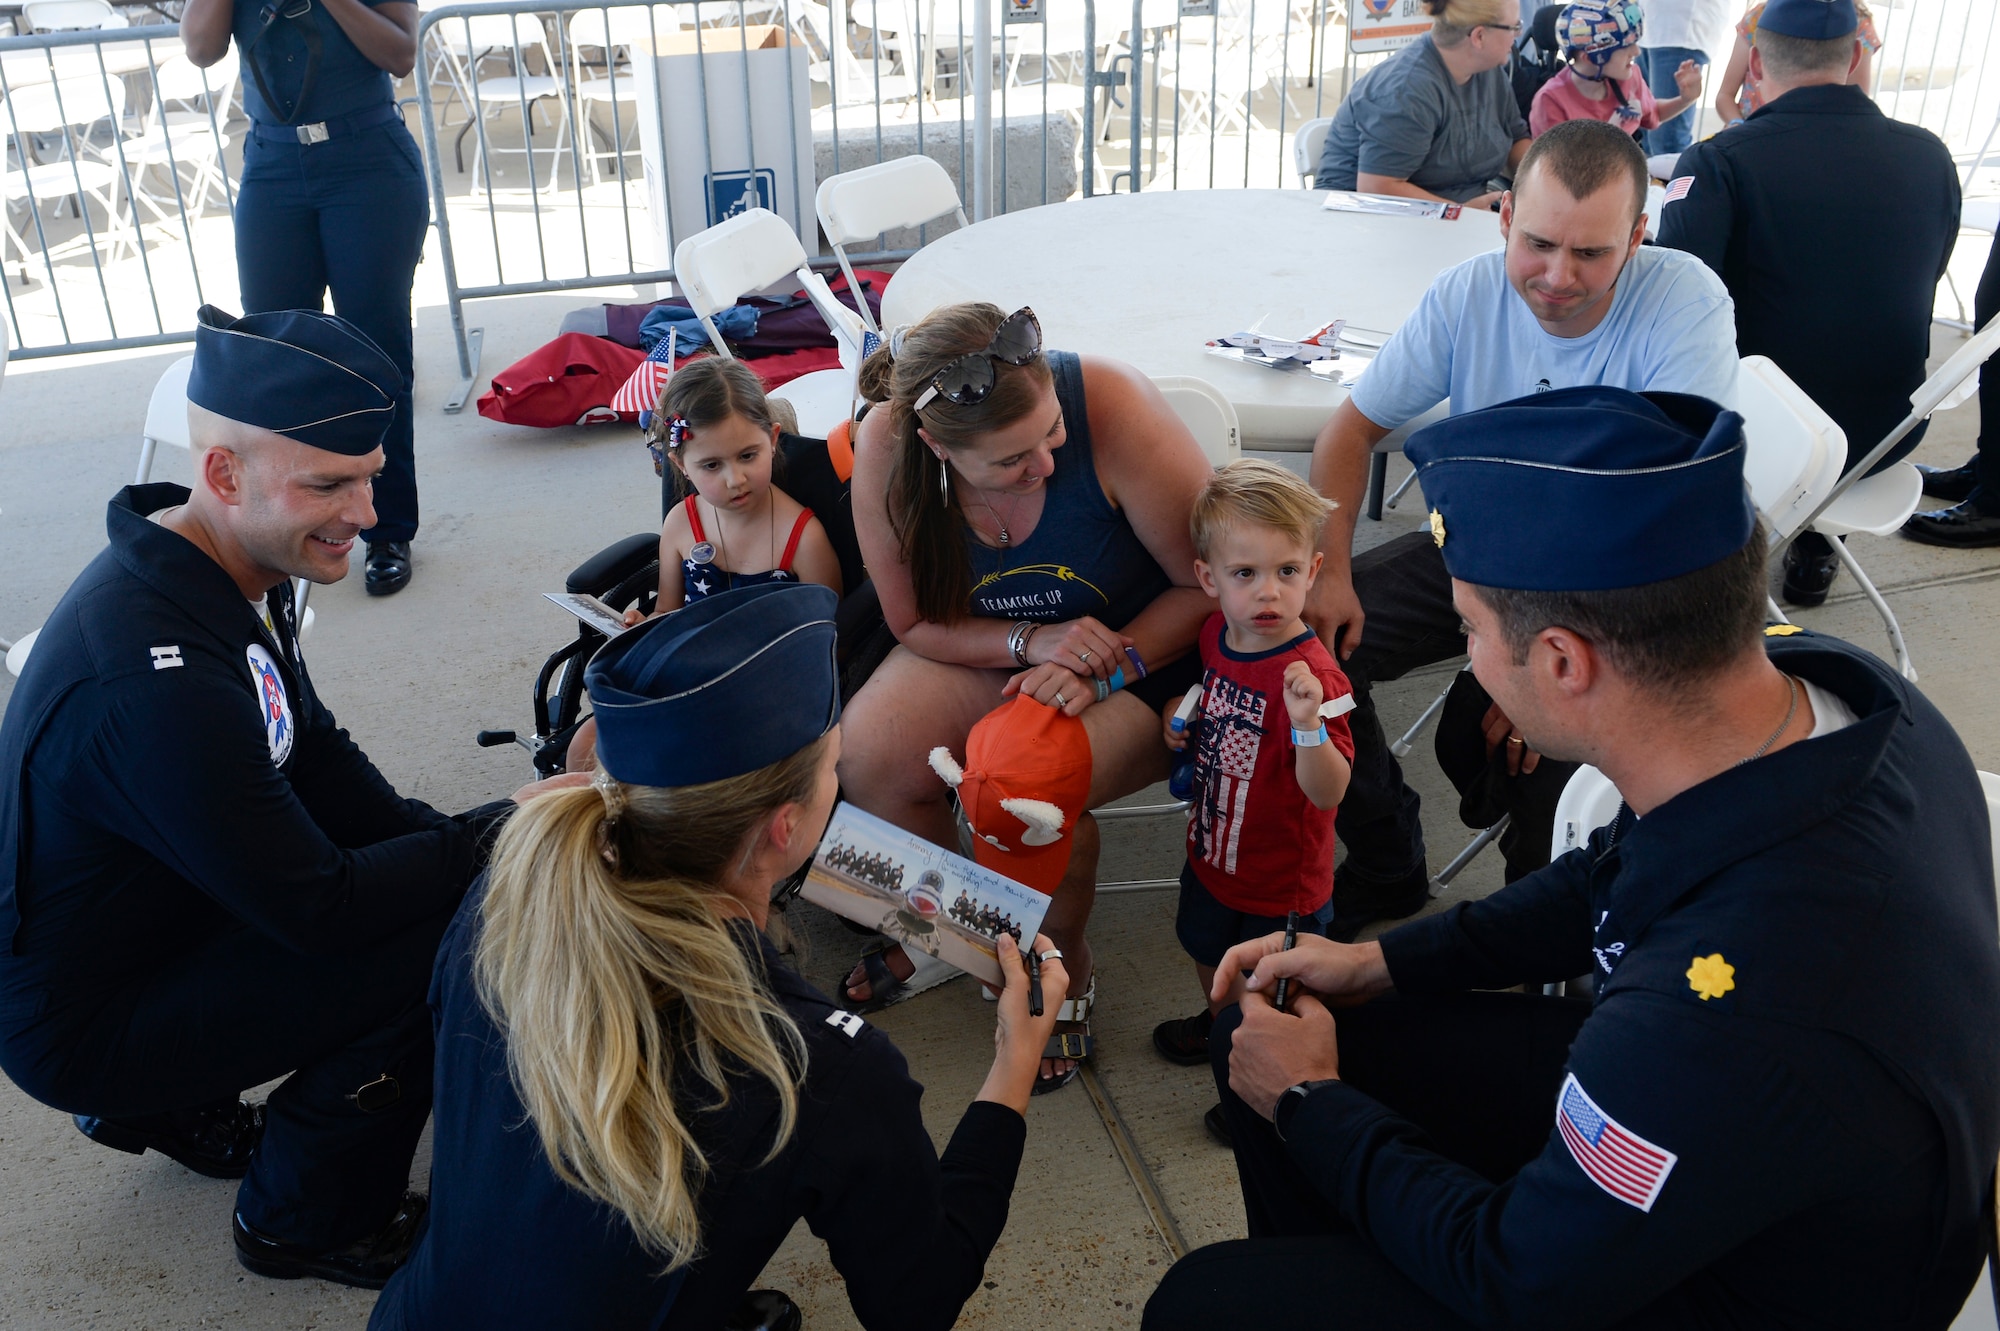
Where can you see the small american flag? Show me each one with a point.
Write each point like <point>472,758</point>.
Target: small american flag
<point>642,390</point>
<point>1678,187</point>
<point>1622,1163</point>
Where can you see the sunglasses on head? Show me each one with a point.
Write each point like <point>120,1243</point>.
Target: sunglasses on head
<point>969,379</point>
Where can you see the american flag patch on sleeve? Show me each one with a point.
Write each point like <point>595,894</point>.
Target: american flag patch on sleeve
<point>1678,187</point>
<point>1621,1162</point>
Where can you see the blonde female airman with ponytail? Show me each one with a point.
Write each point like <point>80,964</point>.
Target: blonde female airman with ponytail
<point>636,1096</point>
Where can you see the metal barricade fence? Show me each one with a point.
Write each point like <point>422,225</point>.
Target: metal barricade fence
<point>112,139</point>
<point>601,134</point>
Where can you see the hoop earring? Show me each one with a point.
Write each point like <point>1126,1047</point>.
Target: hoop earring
<point>944,484</point>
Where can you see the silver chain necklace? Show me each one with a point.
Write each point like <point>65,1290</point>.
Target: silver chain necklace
<point>1792,687</point>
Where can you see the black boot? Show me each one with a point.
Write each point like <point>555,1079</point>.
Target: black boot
<point>366,1263</point>
<point>1966,526</point>
<point>388,569</point>
<point>765,1310</point>
<point>215,1141</point>
<point>1359,902</point>
<point>1810,567</point>
<point>1951,484</point>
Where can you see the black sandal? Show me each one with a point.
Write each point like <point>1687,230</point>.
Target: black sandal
<point>1073,1045</point>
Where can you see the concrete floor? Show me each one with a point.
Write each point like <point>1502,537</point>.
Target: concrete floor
<point>1119,1174</point>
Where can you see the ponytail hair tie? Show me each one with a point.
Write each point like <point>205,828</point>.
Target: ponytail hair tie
<point>613,794</point>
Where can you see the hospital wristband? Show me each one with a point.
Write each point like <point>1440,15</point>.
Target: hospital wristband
<point>1309,739</point>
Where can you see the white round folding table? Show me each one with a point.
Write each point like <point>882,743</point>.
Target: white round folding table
<point>1149,278</point>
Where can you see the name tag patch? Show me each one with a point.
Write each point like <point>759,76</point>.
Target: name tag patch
<point>1617,1160</point>
<point>277,708</point>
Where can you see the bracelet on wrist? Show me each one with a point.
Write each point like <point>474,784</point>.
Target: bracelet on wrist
<point>1107,687</point>
<point>1309,739</point>
<point>1138,663</point>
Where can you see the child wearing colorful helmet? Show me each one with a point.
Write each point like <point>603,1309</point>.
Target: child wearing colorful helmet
<point>1601,39</point>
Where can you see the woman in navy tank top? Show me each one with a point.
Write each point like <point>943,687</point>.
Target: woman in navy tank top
<point>1024,516</point>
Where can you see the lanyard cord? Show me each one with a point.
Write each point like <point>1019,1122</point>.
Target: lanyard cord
<point>296,11</point>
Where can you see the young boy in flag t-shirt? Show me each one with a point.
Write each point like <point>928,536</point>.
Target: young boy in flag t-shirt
<point>1270,766</point>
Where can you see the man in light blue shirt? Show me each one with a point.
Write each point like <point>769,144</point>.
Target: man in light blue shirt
<point>1572,299</point>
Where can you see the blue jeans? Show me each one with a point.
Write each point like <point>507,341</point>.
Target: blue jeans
<point>1658,64</point>
<point>347,215</point>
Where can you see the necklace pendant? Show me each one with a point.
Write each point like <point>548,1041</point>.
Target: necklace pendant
<point>1005,537</point>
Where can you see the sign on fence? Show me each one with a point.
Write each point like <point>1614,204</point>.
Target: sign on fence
<point>1385,25</point>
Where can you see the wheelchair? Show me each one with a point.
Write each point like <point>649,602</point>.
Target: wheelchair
<point>626,575</point>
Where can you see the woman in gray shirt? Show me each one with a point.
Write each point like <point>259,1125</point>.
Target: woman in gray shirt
<point>1438,119</point>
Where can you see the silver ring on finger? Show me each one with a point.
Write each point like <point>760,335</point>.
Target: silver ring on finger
<point>1083,656</point>
<point>1516,739</point>
<point>1060,700</point>
<point>1052,954</point>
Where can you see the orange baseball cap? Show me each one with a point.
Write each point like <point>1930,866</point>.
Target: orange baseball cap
<point>1026,782</point>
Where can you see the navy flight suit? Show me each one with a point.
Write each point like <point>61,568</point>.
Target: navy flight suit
<point>345,212</point>
<point>511,1245</point>
<point>205,885</point>
<point>1782,1110</point>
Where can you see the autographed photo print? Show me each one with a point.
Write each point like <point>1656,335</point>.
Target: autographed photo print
<point>918,894</point>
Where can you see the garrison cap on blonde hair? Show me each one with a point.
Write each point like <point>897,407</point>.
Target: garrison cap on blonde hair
<point>1262,494</point>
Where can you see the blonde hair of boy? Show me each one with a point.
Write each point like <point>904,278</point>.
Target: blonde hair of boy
<point>1261,494</point>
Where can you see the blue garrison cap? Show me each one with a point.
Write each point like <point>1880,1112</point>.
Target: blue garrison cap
<point>1584,489</point>
<point>726,685</point>
<point>1815,20</point>
<point>309,376</point>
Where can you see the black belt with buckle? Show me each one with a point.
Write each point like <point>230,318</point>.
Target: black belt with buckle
<point>319,131</point>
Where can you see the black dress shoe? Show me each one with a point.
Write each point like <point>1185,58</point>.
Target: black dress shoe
<point>366,1264</point>
<point>1358,902</point>
<point>765,1310</point>
<point>1809,575</point>
<point>1951,484</point>
<point>1217,1124</point>
<point>388,570</point>
<point>215,1142</point>
<point>1184,1040</point>
<point>1964,526</point>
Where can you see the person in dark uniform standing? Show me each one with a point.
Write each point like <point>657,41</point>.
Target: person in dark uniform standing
<point>637,1097</point>
<point>204,883</point>
<point>332,196</point>
<point>1783,1106</point>
<point>1972,491</point>
<point>1831,225</point>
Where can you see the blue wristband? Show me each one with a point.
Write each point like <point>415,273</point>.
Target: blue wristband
<point>1138,663</point>
<point>1309,739</point>
<point>1107,687</point>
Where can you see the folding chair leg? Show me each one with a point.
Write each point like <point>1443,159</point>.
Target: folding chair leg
<point>1378,475</point>
<point>1443,878</point>
<point>1402,486</point>
<point>1401,748</point>
<point>1896,644</point>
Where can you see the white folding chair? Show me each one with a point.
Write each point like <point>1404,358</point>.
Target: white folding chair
<point>1882,503</point>
<point>888,196</point>
<point>749,252</point>
<point>616,87</point>
<point>461,45</point>
<point>70,16</point>
<point>1209,416</point>
<point>166,417</point>
<point>183,132</point>
<point>1306,146</point>
<point>67,108</point>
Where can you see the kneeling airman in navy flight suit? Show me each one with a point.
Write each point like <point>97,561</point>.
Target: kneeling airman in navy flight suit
<point>204,884</point>
<point>637,1097</point>
<point>1783,1106</point>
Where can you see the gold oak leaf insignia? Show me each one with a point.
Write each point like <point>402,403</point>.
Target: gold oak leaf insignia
<point>1711,976</point>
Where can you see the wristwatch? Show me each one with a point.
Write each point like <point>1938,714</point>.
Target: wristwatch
<point>1290,1099</point>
